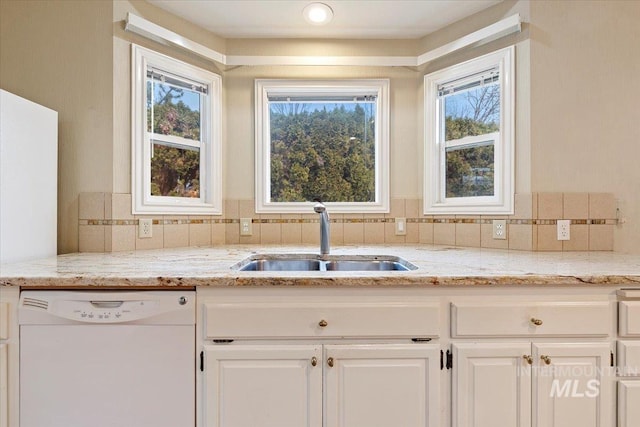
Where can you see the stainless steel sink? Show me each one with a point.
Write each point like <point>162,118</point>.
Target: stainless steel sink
<point>279,265</point>
<point>310,262</point>
<point>369,265</point>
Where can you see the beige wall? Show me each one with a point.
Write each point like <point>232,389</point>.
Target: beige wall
<point>523,74</point>
<point>577,91</point>
<point>239,109</point>
<point>58,54</point>
<point>122,40</point>
<point>238,82</point>
<point>554,33</point>
<point>406,124</point>
<point>585,103</point>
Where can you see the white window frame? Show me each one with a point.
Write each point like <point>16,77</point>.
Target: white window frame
<point>435,200</point>
<point>265,87</point>
<point>210,200</point>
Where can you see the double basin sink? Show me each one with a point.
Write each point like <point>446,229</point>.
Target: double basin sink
<point>311,262</point>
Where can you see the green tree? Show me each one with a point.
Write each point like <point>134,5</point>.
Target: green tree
<point>470,170</point>
<point>326,154</point>
<point>175,171</point>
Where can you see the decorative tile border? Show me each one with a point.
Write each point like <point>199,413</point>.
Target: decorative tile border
<point>107,225</point>
<point>434,220</point>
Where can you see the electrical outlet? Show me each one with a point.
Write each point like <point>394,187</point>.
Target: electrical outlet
<point>500,229</point>
<point>401,226</point>
<point>145,228</point>
<point>246,228</point>
<point>564,226</point>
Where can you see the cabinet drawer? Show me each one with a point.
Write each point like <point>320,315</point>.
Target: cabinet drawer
<point>629,318</point>
<point>326,320</point>
<point>518,318</point>
<point>4,320</point>
<point>629,358</point>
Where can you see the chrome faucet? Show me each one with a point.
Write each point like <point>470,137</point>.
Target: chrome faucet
<point>324,228</point>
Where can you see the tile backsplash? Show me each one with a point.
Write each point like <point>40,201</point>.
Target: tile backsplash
<point>107,225</point>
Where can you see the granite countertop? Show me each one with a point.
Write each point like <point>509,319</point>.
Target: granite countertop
<point>437,266</point>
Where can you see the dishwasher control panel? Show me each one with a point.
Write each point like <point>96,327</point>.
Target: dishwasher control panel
<point>106,307</point>
<point>107,311</point>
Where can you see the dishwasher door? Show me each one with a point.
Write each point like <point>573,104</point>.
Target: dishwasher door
<point>107,359</point>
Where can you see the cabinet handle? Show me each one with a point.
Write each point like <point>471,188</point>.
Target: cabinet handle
<point>330,362</point>
<point>314,361</point>
<point>546,359</point>
<point>322,323</point>
<point>536,322</point>
<point>528,358</point>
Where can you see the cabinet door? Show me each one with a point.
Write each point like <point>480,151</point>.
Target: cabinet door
<point>9,357</point>
<point>262,386</point>
<point>628,408</point>
<point>4,387</point>
<point>574,385</point>
<point>491,385</point>
<point>382,385</point>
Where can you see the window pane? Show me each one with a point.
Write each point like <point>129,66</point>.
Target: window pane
<point>472,112</point>
<point>322,150</point>
<point>176,110</point>
<point>470,171</point>
<point>175,171</point>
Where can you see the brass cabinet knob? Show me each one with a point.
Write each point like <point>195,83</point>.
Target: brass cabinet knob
<point>536,322</point>
<point>314,361</point>
<point>528,358</point>
<point>330,362</point>
<point>546,359</point>
<point>322,323</point>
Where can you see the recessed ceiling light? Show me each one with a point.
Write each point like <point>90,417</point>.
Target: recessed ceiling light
<point>317,13</point>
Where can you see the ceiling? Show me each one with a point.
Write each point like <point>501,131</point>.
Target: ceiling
<point>353,19</point>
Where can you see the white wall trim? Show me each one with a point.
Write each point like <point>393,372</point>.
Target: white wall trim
<point>164,36</point>
<point>155,32</point>
<point>387,61</point>
<point>501,28</point>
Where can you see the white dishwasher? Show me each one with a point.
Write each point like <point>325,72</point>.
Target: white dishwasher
<point>107,359</point>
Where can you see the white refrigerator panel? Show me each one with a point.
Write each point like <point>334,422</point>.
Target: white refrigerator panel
<point>28,179</point>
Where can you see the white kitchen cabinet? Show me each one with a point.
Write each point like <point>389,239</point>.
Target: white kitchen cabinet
<point>9,357</point>
<point>372,374</point>
<point>575,388</point>
<point>281,385</point>
<point>4,386</point>
<point>382,385</point>
<point>263,385</point>
<point>628,403</point>
<point>507,377</point>
<point>491,385</point>
<point>518,317</point>
<point>519,384</point>
<point>321,359</point>
<point>341,318</point>
<point>629,318</point>
<point>629,358</point>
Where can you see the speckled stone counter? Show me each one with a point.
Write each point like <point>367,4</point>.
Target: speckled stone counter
<point>437,266</point>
